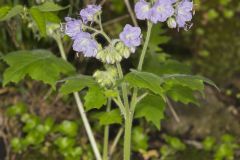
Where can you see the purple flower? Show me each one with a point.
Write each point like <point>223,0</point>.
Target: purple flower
<point>142,9</point>
<point>161,10</point>
<point>131,36</point>
<point>184,13</point>
<point>72,27</point>
<point>88,14</point>
<point>85,44</point>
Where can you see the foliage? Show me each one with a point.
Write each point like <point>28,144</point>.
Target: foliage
<point>45,135</point>
<point>38,64</point>
<point>133,94</point>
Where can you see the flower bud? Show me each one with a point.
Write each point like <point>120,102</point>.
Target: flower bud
<point>106,78</point>
<point>109,55</point>
<point>123,50</point>
<point>171,22</point>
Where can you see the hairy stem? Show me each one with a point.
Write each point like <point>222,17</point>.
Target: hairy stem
<point>106,134</point>
<point>81,109</point>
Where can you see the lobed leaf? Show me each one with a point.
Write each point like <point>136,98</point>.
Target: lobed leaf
<point>95,98</point>
<point>40,65</point>
<point>145,80</point>
<point>77,83</point>
<point>182,94</point>
<point>192,82</point>
<point>152,109</point>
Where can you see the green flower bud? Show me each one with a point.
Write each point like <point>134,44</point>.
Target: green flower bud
<point>52,28</point>
<point>171,22</point>
<point>126,52</point>
<point>109,55</point>
<point>106,78</point>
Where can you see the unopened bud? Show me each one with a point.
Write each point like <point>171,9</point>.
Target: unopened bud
<point>171,22</point>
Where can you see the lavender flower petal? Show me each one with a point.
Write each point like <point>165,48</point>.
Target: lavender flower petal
<point>72,27</point>
<point>161,10</point>
<point>131,36</point>
<point>85,44</point>
<point>142,9</point>
<point>184,13</point>
<point>88,14</point>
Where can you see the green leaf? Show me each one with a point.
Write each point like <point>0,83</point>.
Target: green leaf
<point>175,143</point>
<point>7,13</point>
<point>145,80</point>
<point>31,123</point>
<point>51,17</point>
<point>64,142</point>
<point>34,137</point>
<point>77,83</point>
<point>162,64</point>
<point>50,7</point>
<point>4,10</point>
<point>95,98</point>
<point>108,118</point>
<point>140,139</point>
<point>39,19</point>
<point>209,143</point>
<point>192,82</point>
<point>182,94</point>
<point>40,65</point>
<point>69,128</point>
<point>17,109</point>
<point>152,109</point>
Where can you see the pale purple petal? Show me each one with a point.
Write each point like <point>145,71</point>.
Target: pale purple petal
<point>85,44</point>
<point>161,11</point>
<point>184,12</point>
<point>142,9</point>
<point>131,36</point>
<point>88,14</point>
<point>72,27</point>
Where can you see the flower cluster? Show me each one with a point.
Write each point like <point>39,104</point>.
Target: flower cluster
<point>174,12</point>
<point>107,78</point>
<point>83,41</point>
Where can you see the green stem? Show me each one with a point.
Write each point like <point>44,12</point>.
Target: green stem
<point>124,87</point>
<point>127,137</point>
<point>81,109</point>
<point>106,135</point>
<point>130,112</point>
<point>140,64</point>
<point>144,51</point>
<point>99,32</point>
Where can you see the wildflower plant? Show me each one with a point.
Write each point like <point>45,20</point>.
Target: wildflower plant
<point>136,93</point>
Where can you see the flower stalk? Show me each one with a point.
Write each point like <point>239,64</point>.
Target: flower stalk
<point>106,135</point>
